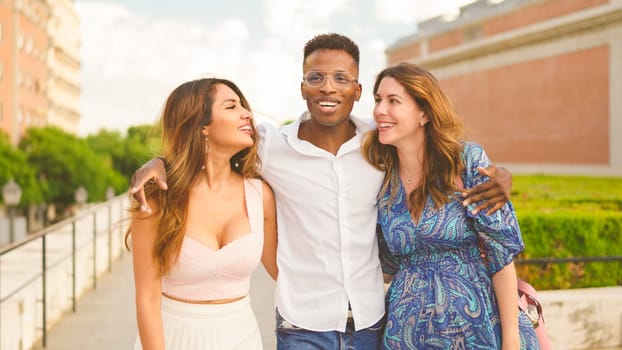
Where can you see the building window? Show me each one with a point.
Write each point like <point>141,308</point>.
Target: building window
<point>29,45</point>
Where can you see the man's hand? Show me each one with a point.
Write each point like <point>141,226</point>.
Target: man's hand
<point>154,171</point>
<point>493,193</point>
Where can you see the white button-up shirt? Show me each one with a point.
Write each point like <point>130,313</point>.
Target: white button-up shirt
<point>326,210</point>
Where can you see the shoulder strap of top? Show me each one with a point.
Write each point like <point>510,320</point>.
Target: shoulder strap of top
<point>253,191</point>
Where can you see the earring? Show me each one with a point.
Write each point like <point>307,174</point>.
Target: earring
<point>206,145</point>
<point>421,123</point>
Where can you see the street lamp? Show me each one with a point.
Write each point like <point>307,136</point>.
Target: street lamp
<point>81,195</point>
<point>11,193</point>
<point>109,193</point>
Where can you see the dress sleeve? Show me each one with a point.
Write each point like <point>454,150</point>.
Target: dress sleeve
<point>388,261</point>
<point>499,233</point>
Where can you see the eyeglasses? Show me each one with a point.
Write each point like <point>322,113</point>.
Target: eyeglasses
<point>317,78</point>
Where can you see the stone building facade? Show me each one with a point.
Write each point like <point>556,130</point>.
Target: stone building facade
<point>538,82</point>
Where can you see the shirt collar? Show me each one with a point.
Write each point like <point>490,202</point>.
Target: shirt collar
<point>291,130</point>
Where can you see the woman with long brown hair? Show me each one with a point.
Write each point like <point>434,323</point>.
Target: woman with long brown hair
<point>194,253</point>
<point>442,295</point>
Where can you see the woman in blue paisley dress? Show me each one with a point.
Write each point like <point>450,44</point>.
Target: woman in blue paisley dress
<point>443,294</point>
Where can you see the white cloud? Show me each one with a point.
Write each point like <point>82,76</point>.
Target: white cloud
<point>131,62</point>
<point>279,14</point>
<point>412,11</point>
<point>295,19</point>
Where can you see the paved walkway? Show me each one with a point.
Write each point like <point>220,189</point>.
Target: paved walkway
<point>106,319</point>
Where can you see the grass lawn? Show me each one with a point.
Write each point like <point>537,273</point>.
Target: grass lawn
<point>547,193</point>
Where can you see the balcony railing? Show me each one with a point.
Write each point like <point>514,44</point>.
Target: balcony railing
<point>43,275</point>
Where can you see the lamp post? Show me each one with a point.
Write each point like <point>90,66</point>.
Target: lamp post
<point>109,193</point>
<point>11,193</point>
<point>81,196</point>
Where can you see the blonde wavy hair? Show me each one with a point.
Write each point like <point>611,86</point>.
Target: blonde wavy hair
<point>443,140</point>
<point>188,108</point>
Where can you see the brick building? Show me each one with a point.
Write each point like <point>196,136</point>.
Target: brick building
<point>39,65</point>
<point>23,50</point>
<point>538,82</point>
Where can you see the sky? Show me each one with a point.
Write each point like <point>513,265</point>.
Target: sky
<point>135,52</point>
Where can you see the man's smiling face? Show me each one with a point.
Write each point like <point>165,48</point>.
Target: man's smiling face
<point>331,102</point>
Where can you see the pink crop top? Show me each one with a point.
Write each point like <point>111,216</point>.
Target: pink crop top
<point>202,273</point>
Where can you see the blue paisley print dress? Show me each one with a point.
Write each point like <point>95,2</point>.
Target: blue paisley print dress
<point>441,296</point>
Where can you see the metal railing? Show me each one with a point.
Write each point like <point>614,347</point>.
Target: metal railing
<point>573,259</point>
<point>63,249</point>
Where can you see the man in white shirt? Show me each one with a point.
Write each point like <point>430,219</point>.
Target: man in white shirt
<point>330,290</point>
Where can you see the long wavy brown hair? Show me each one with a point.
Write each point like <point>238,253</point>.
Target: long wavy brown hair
<point>187,109</point>
<point>443,140</point>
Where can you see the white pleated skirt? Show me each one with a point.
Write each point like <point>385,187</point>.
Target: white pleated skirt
<point>230,326</point>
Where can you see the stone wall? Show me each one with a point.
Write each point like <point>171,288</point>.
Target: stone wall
<point>589,318</point>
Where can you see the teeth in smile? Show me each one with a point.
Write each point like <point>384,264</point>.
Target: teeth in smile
<point>385,125</point>
<point>328,104</point>
<point>245,128</point>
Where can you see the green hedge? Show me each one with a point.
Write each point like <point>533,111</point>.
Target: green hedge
<point>570,216</point>
<point>572,234</point>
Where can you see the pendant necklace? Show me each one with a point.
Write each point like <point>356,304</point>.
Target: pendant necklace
<point>410,179</point>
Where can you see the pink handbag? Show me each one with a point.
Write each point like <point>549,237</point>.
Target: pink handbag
<point>530,305</point>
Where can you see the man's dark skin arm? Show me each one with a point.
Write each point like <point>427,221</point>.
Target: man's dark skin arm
<point>492,194</point>
<point>153,170</point>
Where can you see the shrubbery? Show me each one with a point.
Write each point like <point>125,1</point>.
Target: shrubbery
<point>570,216</point>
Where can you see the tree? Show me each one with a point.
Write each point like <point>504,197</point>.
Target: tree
<point>64,162</point>
<point>126,155</point>
<point>109,145</point>
<point>142,144</point>
<point>13,165</point>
